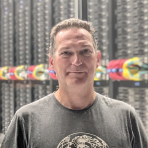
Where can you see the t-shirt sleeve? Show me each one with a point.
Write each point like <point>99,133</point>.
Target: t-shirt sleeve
<point>14,136</point>
<point>140,139</point>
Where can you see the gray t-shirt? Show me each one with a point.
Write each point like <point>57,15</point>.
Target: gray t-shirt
<point>107,123</point>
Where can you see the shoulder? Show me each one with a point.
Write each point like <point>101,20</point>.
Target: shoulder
<point>115,105</point>
<point>36,107</point>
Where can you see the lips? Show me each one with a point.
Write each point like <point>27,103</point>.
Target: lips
<point>76,72</point>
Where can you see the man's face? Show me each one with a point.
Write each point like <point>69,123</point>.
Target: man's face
<point>75,59</point>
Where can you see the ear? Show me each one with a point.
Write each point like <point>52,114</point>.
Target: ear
<point>98,58</point>
<point>51,62</point>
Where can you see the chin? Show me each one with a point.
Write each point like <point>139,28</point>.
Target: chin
<point>76,83</point>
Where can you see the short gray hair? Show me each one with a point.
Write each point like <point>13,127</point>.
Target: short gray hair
<point>70,23</point>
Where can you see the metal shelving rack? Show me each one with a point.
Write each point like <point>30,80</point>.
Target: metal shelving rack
<point>125,42</point>
<point>22,30</point>
<point>114,53</point>
<point>7,59</point>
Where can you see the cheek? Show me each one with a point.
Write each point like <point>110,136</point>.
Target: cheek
<point>92,64</point>
<point>60,65</point>
<point>92,67</point>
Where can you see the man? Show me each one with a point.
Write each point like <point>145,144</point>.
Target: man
<point>75,116</point>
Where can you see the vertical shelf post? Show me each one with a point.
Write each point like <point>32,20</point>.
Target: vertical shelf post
<point>112,48</point>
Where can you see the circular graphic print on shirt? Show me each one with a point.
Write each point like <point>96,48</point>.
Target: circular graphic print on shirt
<point>82,140</point>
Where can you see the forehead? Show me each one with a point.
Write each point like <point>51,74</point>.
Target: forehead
<point>73,34</point>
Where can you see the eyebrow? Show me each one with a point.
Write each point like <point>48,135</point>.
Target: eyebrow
<point>66,47</point>
<point>63,48</point>
<point>86,46</point>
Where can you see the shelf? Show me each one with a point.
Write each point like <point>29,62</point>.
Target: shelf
<point>134,84</point>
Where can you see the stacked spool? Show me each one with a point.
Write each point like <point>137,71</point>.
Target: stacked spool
<point>125,95</point>
<point>98,16</point>
<point>7,32</point>
<point>63,9</point>
<point>41,30</point>
<point>101,87</point>
<point>140,31</point>
<point>40,91</point>
<point>22,32</point>
<point>101,90</point>
<point>141,104</point>
<point>138,98</point>
<point>7,96</point>
<point>140,27</point>
<point>23,96</point>
<point>124,27</point>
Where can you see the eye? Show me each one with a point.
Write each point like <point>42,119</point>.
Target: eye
<point>86,52</point>
<point>66,54</point>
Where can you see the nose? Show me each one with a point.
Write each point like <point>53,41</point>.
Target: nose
<point>76,60</point>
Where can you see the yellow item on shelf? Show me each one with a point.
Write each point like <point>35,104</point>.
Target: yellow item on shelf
<point>99,71</point>
<point>40,73</point>
<point>4,73</point>
<point>20,72</point>
<point>130,69</point>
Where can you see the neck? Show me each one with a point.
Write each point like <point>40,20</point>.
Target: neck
<point>76,99</point>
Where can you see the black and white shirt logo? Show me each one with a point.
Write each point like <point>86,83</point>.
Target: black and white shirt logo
<point>82,140</point>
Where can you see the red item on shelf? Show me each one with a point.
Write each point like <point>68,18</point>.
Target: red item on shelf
<point>115,69</point>
<point>52,74</point>
<point>11,73</point>
<point>30,72</point>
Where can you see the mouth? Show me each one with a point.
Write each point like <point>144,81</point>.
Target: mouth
<point>77,72</point>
